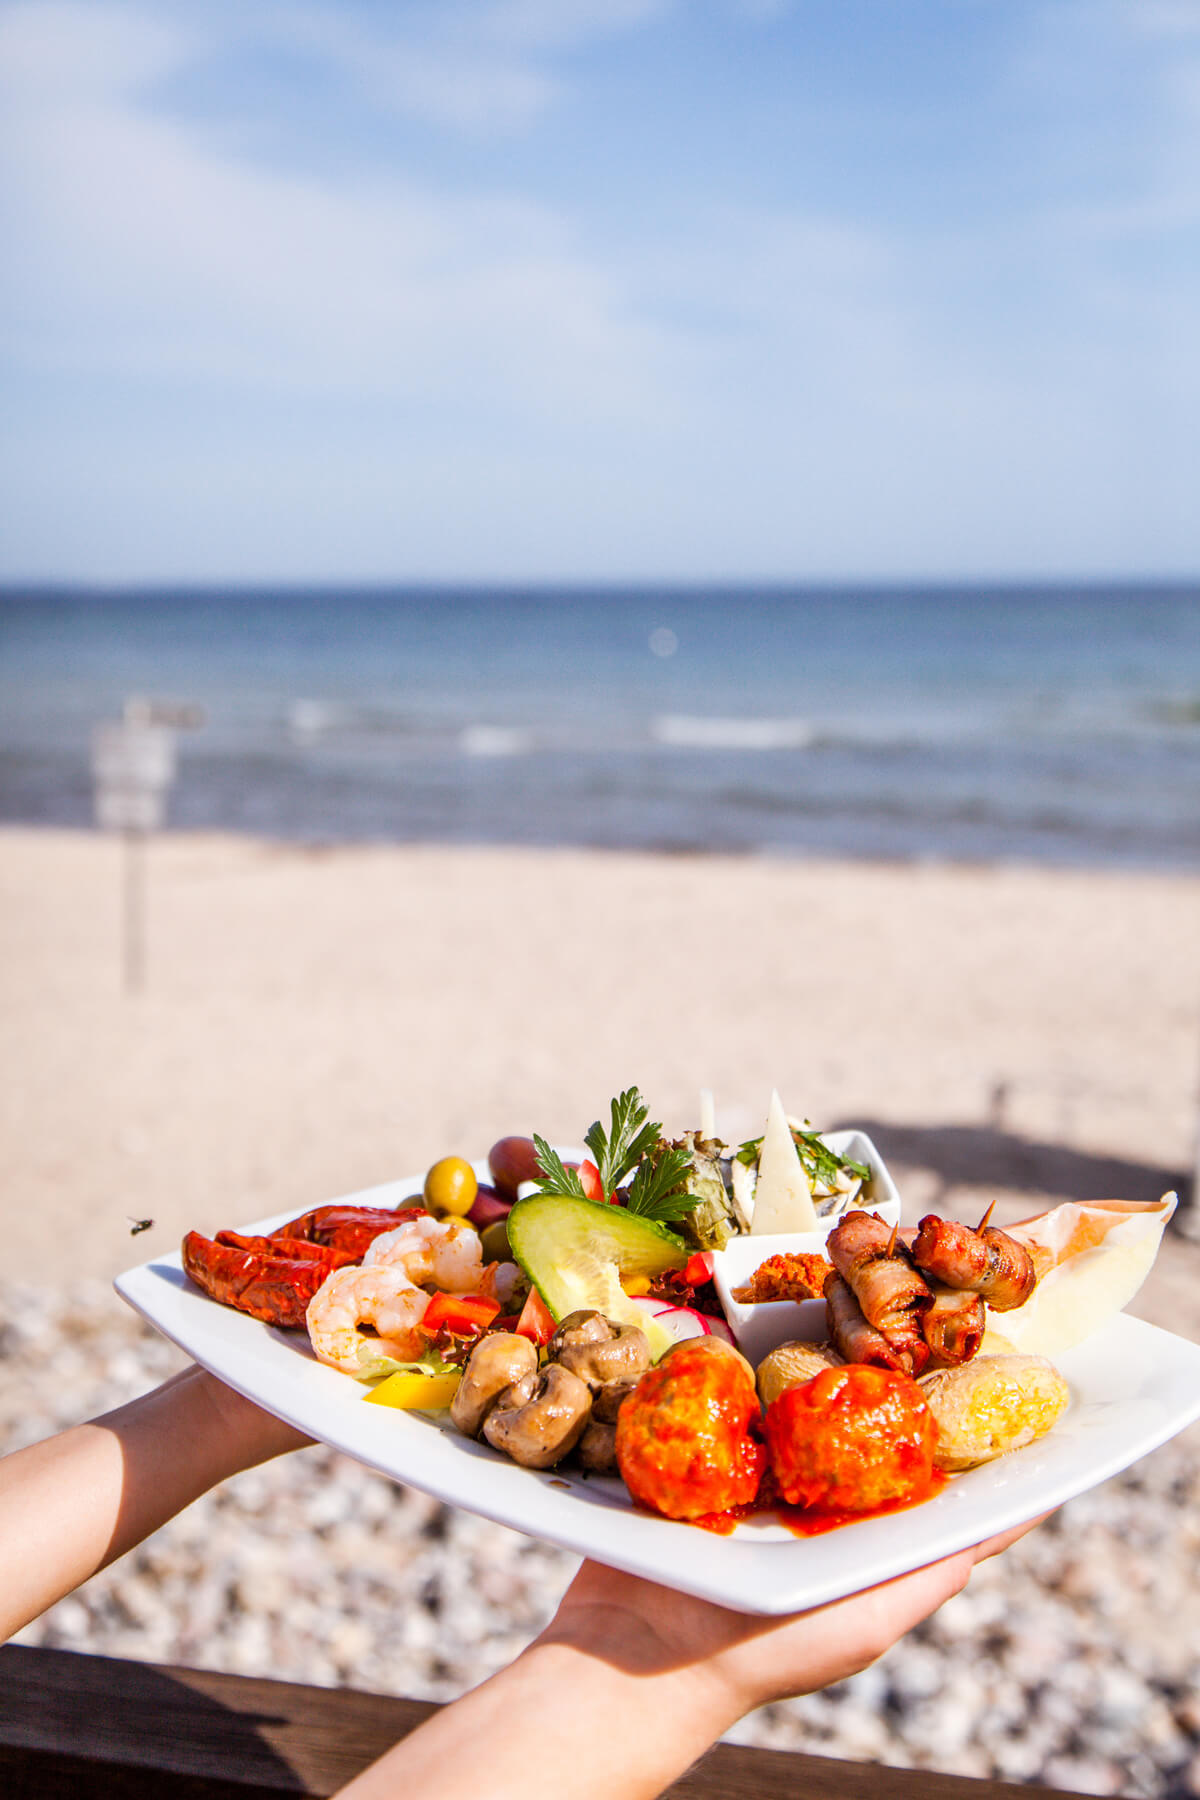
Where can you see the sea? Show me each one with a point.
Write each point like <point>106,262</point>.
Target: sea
<point>1046,724</point>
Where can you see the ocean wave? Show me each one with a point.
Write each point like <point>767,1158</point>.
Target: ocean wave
<point>494,740</point>
<point>689,731</point>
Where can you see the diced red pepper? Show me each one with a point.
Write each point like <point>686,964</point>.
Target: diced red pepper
<point>459,1313</point>
<point>537,1322</point>
<point>698,1268</point>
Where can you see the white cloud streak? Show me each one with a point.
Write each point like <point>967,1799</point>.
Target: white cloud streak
<point>146,251</point>
<point>764,391</point>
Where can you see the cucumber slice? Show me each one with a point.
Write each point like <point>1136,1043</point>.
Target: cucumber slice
<point>575,1252</point>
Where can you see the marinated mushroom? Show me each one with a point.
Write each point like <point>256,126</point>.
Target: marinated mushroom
<point>607,1403</point>
<point>500,1361</point>
<point>598,1448</point>
<point>599,1350</point>
<point>598,1445</point>
<point>547,1422</point>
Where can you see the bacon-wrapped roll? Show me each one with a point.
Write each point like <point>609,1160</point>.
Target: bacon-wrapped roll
<point>954,1326</point>
<point>987,1262</point>
<point>851,1335</point>
<point>891,1293</point>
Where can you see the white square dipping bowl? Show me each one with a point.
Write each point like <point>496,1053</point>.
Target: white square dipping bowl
<point>762,1328</point>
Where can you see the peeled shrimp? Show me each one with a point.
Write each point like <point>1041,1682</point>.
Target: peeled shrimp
<point>382,1297</point>
<point>443,1253</point>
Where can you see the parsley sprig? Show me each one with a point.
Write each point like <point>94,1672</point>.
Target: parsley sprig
<point>658,1191</point>
<point>556,1177</point>
<point>628,1139</point>
<point>630,1144</point>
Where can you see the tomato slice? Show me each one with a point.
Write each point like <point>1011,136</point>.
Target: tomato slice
<point>698,1268</point>
<point>460,1313</point>
<point>593,1187</point>
<point>537,1322</point>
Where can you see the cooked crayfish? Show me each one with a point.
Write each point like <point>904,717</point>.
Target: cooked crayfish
<point>273,1278</point>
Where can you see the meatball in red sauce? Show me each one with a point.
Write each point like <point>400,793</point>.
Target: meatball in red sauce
<point>684,1441</point>
<point>852,1440</point>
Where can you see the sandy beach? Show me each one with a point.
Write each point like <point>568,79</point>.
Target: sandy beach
<point>313,1022</point>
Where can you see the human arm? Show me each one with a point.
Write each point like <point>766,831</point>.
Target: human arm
<point>630,1683</point>
<point>76,1502</point>
<point>623,1690</point>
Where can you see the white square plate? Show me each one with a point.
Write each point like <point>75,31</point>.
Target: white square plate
<point>1132,1387</point>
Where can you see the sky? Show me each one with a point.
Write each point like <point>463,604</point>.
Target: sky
<point>586,290</point>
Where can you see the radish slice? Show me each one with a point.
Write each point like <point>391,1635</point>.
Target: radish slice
<point>684,1321</point>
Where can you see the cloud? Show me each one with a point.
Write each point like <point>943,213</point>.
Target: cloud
<point>299,362</point>
<point>467,92</point>
<point>437,73</point>
<point>58,50</point>
<point>145,250</point>
<point>564,24</point>
<point>476,66</point>
<point>482,66</point>
<point>1162,18</point>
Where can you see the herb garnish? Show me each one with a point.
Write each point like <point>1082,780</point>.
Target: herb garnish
<point>433,1361</point>
<point>629,1144</point>
<point>821,1164</point>
<point>657,1192</point>
<point>556,1177</point>
<point>628,1139</point>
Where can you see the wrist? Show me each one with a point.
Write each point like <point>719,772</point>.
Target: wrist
<point>241,1434</point>
<point>627,1649</point>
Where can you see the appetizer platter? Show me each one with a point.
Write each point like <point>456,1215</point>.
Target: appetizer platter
<point>726,1368</point>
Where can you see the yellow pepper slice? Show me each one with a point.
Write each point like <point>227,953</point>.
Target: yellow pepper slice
<point>415,1392</point>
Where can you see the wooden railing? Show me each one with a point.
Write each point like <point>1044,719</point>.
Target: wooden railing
<point>74,1725</point>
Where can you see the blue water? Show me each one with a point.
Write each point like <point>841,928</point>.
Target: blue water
<point>1043,724</point>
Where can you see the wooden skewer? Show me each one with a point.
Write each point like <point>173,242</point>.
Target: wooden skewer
<point>982,1225</point>
<point>891,1249</point>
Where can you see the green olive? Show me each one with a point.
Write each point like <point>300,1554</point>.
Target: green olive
<point>493,1242</point>
<point>450,1187</point>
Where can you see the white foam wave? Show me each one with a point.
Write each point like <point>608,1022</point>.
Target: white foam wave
<point>494,740</point>
<point>691,732</point>
<point>309,718</point>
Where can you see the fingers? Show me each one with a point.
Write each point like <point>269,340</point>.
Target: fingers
<point>995,1546</point>
<point>761,1658</point>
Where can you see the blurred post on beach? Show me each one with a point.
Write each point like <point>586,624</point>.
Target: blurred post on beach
<point>133,767</point>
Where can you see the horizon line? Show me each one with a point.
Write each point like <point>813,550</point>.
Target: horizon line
<point>11,587</point>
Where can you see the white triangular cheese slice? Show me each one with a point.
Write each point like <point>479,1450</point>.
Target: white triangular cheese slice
<point>782,1196</point>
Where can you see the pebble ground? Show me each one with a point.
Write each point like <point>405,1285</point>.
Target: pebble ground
<point>1074,1661</point>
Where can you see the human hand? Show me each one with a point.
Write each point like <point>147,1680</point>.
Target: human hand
<point>673,1671</point>
<point>746,1660</point>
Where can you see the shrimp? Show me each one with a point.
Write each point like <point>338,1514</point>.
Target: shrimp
<point>442,1253</point>
<point>382,1297</point>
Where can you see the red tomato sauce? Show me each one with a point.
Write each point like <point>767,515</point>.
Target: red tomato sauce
<point>806,1521</point>
<point>810,1521</point>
